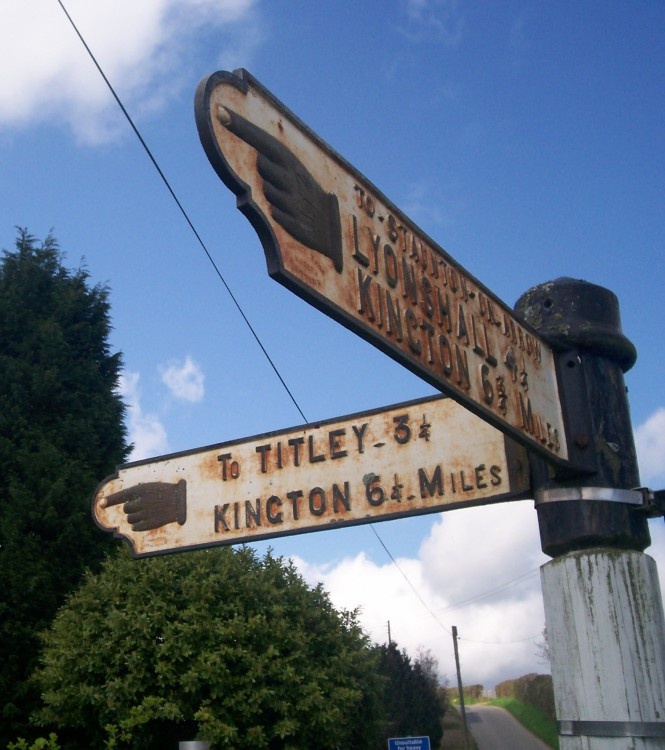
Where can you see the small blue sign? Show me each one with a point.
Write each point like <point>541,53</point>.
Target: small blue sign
<point>409,743</point>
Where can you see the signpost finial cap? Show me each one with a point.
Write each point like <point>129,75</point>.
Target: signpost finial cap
<point>573,313</point>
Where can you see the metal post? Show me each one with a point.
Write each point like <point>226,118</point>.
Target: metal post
<point>460,688</point>
<point>194,745</point>
<point>603,609</point>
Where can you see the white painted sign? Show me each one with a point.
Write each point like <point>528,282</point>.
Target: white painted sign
<point>330,236</point>
<point>419,457</point>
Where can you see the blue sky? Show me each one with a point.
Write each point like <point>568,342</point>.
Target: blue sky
<point>526,138</point>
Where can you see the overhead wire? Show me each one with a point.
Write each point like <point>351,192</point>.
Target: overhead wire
<point>251,328</point>
<point>410,583</point>
<point>489,592</point>
<point>181,208</point>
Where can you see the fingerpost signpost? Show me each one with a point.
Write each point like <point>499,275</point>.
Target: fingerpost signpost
<point>539,386</point>
<point>389,463</point>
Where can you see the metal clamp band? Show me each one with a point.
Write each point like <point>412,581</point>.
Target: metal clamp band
<point>611,728</point>
<point>606,494</point>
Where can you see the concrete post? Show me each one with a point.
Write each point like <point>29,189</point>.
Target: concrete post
<point>603,609</point>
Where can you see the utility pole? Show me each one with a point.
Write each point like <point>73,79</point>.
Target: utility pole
<point>460,688</point>
<point>603,608</point>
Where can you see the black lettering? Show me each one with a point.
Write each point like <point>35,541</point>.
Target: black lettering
<point>529,344</point>
<point>477,348</point>
<point>220,518</point>
<point>538,350</point>
<point>223,458</point>
<point>463,378</point>
<point>480,477</point>
<point>343,498</point>
<point>465,291</point>
<point>335,441</point>
<point>313,458</point>
<point>402,429</point>
<point>392,228</point>
<point>435,265</point>
<point>314,509</point>
<point>490,358</point>
<point>526,414</point>
<point>415,245</point>
<point>488,388</point>
<point>366,306</point>
<point>453,279</point>
<point>294,497</point>
<point>253,513</point>
<point>295,443</point>
<point>357,255</point>
<point>376,241</point>
<point>262,450</point>
<point>270,515</point>
<point>446,356</point>
<point>428,487</point>
<point>495,472</point>
<point>229,470</point>
<point>394,317</point>
<point>412,325</point>
<point>423,257</point>
<point>360,434</point>
<point>392,266</point>
<point>428,304</point>
<point>373,491</point>
<point>409,276</point>
<point>443,304</point>
<point>379,301</point>
<point>462,329</point>
<point>487,310</point>
<point>429,330</point>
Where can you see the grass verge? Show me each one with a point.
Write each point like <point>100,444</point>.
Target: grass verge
<point>453,731</point>
<point>531,718</point>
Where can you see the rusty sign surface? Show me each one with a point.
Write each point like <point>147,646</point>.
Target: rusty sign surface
<point>330,236</point>
<point>418,457</point>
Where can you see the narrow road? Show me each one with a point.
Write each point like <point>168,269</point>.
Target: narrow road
<point>493,728</point>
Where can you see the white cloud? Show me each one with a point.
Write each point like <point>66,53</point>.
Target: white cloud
<point>650,446</point>
<point>432,19</point>
<point>478,570</point>
<point>146,431</point>
<point>429,211</point>
<point>143,47</point>
<point>185,380</point>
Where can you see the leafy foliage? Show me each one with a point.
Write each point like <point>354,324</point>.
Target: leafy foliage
<point>412,699</point>
<point>217,644</point>
<point>41,743</point>
<point>61,431</point>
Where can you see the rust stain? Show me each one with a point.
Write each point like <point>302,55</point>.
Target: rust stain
<point>209,466</point>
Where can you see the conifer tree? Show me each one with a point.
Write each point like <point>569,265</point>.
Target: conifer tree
<point>411,697</point>
<point>61,432</point>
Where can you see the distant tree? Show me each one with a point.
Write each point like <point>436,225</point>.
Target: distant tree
<point>214,644</point>
<point>61,432</point>
<point>412,700</point>
<point>429,666</point>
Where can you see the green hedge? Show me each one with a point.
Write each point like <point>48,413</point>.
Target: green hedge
<point>531,689</point>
